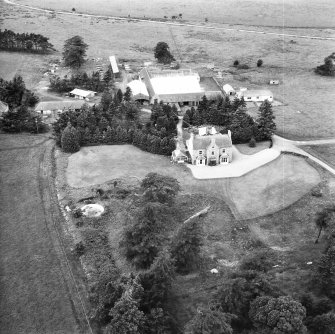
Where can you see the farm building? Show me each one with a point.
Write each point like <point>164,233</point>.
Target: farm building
<point>82,94</point>
<point>115,67</point>
<point>210,149</point>
<point>229,90</point>
<point>3,107</point>
<point>184,87</point>
<point>255,95</point>
<point>139,90</point>
<point>56,107</point>
<point>274,82</point>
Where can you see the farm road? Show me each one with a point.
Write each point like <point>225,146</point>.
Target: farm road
<point>38,289</point>
<point>195,25</point>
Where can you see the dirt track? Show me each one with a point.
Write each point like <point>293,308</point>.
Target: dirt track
<point>41,289</point>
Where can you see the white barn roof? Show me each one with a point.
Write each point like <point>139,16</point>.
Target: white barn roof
<point>138,88</point>
<point>113,62</point>
<point>184,84</point>
<point>227,88</point>
<point>81,92</point>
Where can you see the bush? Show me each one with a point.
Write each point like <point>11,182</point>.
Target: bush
<point>236,63</point>
<point>79,248</point>
<point>316,192</point>
<point>262,260</point>
<point>252,142</point>
<point>77,213</point>
<point>243,67</point>
<point>259,62</point>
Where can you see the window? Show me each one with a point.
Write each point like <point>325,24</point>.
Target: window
<point>249,98</point>
<point>213,152</point>
<point>200,152</point>
<point>224,159</point>
<point>257,97</point>
<point>223,150</point>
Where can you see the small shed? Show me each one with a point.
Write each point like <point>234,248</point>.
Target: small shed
<point>82,94</point>
<point>115,67</point>
<point>228,89</point>
<point>274,82</point>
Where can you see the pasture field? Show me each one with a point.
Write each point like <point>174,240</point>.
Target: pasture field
<point>326,153</point>
<point>293,13</point>
<point>37,292</point>
<point>306,112</point>
<point>288,229</point>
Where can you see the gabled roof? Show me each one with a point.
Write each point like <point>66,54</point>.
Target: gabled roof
<point>202,142</point>
<point>228,88</point>
<point>138,88</point>
<point>82,92</point>
<point>59,105</point>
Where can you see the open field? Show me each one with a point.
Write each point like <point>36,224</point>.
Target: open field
<point>265,190</point>
<point>325,153</point>
<point>304,95</point>
<point>290,231</point>
<point>37,293</point>
<point>293,13</point>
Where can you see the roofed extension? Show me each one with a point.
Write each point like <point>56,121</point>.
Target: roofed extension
<point>113,62</point>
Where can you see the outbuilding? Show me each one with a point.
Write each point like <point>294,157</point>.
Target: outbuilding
<point>255,95</point>
<point>57,107</point>
<point>229,90</point>
<point>139,90</point>
<point>114,65</point>
<point>82,94</point>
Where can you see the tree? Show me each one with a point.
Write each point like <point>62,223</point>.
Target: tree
<point>209,321</point>
<point>160,188</point>
<point>236,62</point>
<point>127,95</point>
<point>69,139</point>
<point>281,315</point>
<point>186,246</point>
<point>326,272</point>
<point>259,62</point>
<point>126,317</point>
<point>324,323</point>
<point>197,121</point>
<point>156,282</point>
<point>186,121</point>
<point>324,220</point>
<point>265,121</point>
<point>261,260</point>
<point>141,239</point>
<point>162,53</point>
<point>74,52</point>
<point>328,68</point>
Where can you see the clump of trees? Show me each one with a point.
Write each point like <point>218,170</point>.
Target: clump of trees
<point>328,68</point>
<point>233,116</point>
<point>69,139</point>
<point>74,52</point>
<point>36,43</point>
<point>116,121</point>
<point>78,80</point>
<point>19,99</point>
<point>163,54</point>
<point>259,62</point>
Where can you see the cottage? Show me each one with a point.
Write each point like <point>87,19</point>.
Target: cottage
<point>210,149</point>
<point>82,94</point>
<point>229,90</point>
<point>57,107</point>
<point>255,95</point>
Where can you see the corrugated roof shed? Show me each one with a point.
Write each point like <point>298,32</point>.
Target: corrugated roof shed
<point>81,92</point>
<point>113,62</point>
<point>59,105</point>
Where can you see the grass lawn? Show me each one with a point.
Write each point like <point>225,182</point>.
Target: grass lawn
<point>36,293</point>
<point>325,153</point>
<point>246,149</point>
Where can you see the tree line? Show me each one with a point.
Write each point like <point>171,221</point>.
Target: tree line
<point>11,41</point>
<point>233,116</point>
<point>116,121</point>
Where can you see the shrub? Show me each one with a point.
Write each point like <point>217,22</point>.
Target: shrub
<point>79,223</point>
<point>252,142</point>
<point>236,63</point>
<point>79,248</point>
<point>316,192</point>
<point>69,139</point>
<point>262,260</point>
<point>242,67</point>
<point>259,62</point>
<point>77,213</point>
